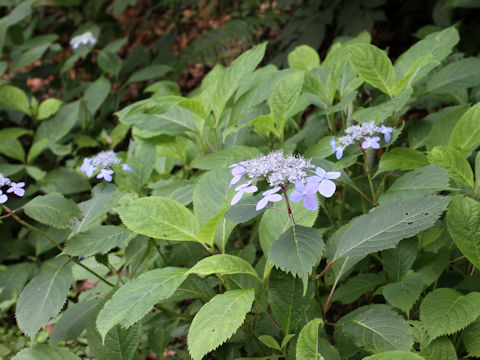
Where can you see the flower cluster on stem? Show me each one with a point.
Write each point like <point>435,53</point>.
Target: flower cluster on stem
<point>280,171</point>
<point>361,134</point>
<point>83,39</point>
<point>104,161</point>
<point>13,187</point>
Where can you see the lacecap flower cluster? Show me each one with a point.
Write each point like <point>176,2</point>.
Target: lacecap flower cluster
<point>13,187</point>
<point>83,39</point>
<point>280,171</point>
<point>104,161</point>
<point>360,134</point>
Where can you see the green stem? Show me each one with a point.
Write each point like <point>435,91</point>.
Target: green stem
<point>369,176</point>
<point>159,251</point>
<point>170,311</point>
<point>115,272</point>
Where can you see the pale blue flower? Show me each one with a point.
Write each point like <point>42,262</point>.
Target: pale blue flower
<point>105,174</point>
<point>386,130</point>
<point>337,149</point>
<point>83,39</point>
<point>242,189</point>
<point>17,188</point>
<point>371,142</point>
<point>3,197</point>
<point>125,167</point>
<point>238,170</point>
<point>269,195</point>
<point>87,167</point>
<point>305,192</point>
<point>326,186</point>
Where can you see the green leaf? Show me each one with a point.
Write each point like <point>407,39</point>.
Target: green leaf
<point>161,218</point>
<point>466,133</point>
<point>357,286</point>
<point>463,221</point>
<point>119,343</point>
<point>439,349</point>
<point>218,320</point>
<point>245,209</point>
<point>303,58</point>
<point>48,107</point>
<point>270,341</point>
<point>284,96</point>
<point>142,160</point>
<point>384,226</point>
<point>381,112</point>
<point>10,145</point>
<point>398,261</point>
<point>13,279</point>
<point>377,328</point>
<point>308,344</point>
<point>439,45</point>
<point>223,264</point>
<point>149,73</point>
<point>109,62</point>
<point>135,299</point>
<point>73,321</point>
<point>412,73</point>
<point>97,240</point>
<point>53,209</point>
<point>297,250</point>
<point>446,311</point>
<point>209,229</point>
<point>416,184</point>
<point>43,297</point>
<point>454,162</point>
<point>471,339</point>
<point>96,94</point>
<point>456,76</point>
<point>14,98</point>
<point>28,57</point>
<point>45,352</point>
<point>373,66</point>
<point>65,181</point>
<point>286,299</point>
<point>225,157</point>
<point>401,159</point>
<point>394,355</point>
<point>405,293</point>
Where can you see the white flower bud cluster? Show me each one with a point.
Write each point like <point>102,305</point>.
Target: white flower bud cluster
<point>83,39</point>
<point>4,181</point>
<point>105,159</point>
<point>358,132</point>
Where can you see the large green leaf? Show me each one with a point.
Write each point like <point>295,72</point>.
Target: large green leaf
<point>45,352</point>
<point>65,181</point>
<point>133,300</point>
<point>48,108</point>
<point>454,162</point>
<point>416,184</point>
<point>43,297</point>
<point>398,261</point>
<point>463,221</point>
<point>297,250</point>
<point>386,225</point>
<point>394,355</point>
<point>13,279</point>
<point>96,94</point>
<point>303,57</point>
<point>466,133</point>
<point>14,98</point>
<point>373,66</point>
<point>357,286</point>
<point>307,343</point>
<point>455,76</point>
<point>223,264</point>
<point>161,218</point>
<point>53,209</point>
<point>405,293</point>
<point>218,320</point>
<point>402,159</point>
<point>446,311</point>
<point>225,157</point>
<point>119,343</point>
<point>471,339</point>
<point>377,328</point>
<point>439,349</point>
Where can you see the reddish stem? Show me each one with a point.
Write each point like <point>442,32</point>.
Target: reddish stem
<point>324,270</point>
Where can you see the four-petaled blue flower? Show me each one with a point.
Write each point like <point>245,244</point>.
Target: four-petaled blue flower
<point>338,149</point>
<point>238,170</point>
<point>305,192</point>
<point>125,167</point>
<point>325,185</point>
<point>269,195</point>
<point>105,174</point>
<point>386,130</point>
<point>371,142</point>
<point>87,167</point>
<point>242,189</point>
<point>3,197</point>
<point>17,188</point>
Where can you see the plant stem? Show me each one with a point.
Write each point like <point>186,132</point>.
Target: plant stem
<point>170,311</point>
<point>289,210</point>
<point>369,176</point>
<point>159,251</point>
<point>115,272</point>
<point>11,212</point>
<point>269,316</point>
<point>324,270</point>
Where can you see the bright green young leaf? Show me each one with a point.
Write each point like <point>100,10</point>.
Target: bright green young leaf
<point>225,157</point>
<point>43,297</point>
<point>439,349</point>
<point>96,94</point>
<point>471,339</point>
<point>373,66</point>
<point>161,218</point>
<point>136,298</point>
<point>416,184</point>
<point>463,221</point>
<point>97,240</point>
<point>223,264</point>
<point>270,341</point>
<point>395,355</point>
<point>412,73</point>
<point>307,343</point>
<point>45,352</point>
<point>14,98</point>
<point>455,76</point>
<point>377,328</point>
<point>53,209</point>
<point>384,226</point>
<point>297,250</point>
<point>218,320</point>
<point>405,293</point>
<point>48,107</point>
<point>454,162</point>
<point>303,58</point>
<point>398,261</point>
<point>446,311</point>
<point>401,159</point>
<point>209,229</point>
<point>466,133</point>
